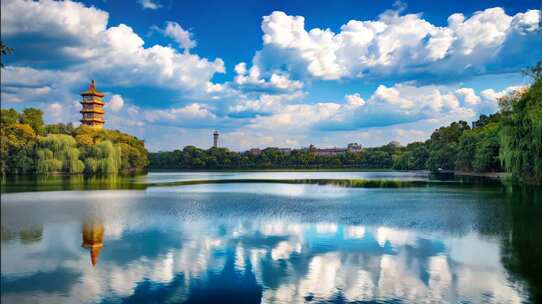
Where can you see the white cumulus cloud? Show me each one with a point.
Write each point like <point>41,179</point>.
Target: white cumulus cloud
<point>354,100</point>
<point>116,103</point>
<point>180,35</point>
<point>252,79</point>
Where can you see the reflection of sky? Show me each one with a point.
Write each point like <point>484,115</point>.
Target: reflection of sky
<point>183,246</point>
<point>306,191</point>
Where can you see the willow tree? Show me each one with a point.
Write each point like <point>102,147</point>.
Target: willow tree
<point>103,158</point>
<point>58,153</point>
<point>521,133</point>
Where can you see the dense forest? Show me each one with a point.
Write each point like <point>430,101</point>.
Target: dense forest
<point>29,146</point>
<point>509,140</point>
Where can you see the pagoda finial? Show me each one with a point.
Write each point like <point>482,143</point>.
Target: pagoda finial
<point>92,85</point>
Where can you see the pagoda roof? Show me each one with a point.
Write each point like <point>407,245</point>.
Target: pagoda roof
<point>91,91</point>
<point>94,253</point>
<point>92,101</point>
<point>95,110</point>
<point>92,120</point>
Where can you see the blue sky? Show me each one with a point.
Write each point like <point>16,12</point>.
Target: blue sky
<point>270,73</point>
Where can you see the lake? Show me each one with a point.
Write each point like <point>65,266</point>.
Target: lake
<point>259,237</point>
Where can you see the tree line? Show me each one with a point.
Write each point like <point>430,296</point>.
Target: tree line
<point>29,146</point>
<point>509,140</point>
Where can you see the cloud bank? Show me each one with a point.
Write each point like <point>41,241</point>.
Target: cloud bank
<point>400,46</point>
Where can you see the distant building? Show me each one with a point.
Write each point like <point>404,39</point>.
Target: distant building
<point>354,147</point>
<point>92,111</point>
<point>255,151</point>
<point>286,151</point>
<point>394,144</point>
<point>330,151</point>
<point>215,139</point>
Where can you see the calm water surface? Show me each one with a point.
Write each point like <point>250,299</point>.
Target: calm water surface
<point>155,177</point>
<point>273,243</point>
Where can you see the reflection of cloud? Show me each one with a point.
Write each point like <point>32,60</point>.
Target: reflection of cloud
<point>326,228</point>
<point>289,190</point>
<point>284,249</point>
<point>321,279</point>
<point>355,232</point>
<point>466,250</point>
<point>239,258</point>
<point>394,236</point>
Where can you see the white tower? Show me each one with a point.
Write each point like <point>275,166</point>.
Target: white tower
<point>215,139</point>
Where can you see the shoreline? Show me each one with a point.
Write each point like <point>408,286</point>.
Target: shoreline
<point>492,175</point>
<point>287,170</point>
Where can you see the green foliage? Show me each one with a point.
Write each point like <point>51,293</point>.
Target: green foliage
<point>9,117</point>
<point>413,157</point>
<point>220,158</point>
<point>17,149</point>
<point>479,149</point>
<point>60,128</point>
<point>31,147</point>
<point>134,156</point>
<point>57,153</point>
<point>521,135</point>
<point>486,157</point>
<point>34,118</point>
<point>103,158</point>
<point>535,72</point>
<point>444,146</point>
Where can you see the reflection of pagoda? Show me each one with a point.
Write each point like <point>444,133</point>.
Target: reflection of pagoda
<point>93,112</point>
<point>93,239</point>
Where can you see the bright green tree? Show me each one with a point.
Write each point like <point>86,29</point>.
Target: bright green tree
<point>58,153</point>
<point>521,134</point>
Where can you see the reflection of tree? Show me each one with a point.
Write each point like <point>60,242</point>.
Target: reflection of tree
<point>27,235</point>
<point>68,182</point>
<point>522,249</point>
<point>30,235</point>
<point>93,236</point>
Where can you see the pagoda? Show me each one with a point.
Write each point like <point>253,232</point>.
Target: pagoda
<point>93,112</point>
